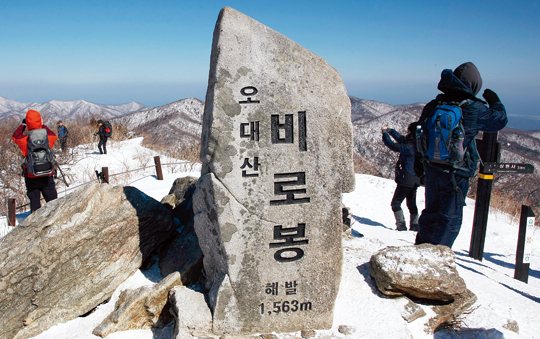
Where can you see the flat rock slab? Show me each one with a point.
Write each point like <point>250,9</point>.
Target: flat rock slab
<point>71,255</point>
<point>277,155</point>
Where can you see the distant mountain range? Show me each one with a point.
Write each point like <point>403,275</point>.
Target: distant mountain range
<point>55,110</point>
<point>180,123</point>
<point>175,124</point>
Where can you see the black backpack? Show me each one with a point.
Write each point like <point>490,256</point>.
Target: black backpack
<point>40,158</point>
<point>108,128</point>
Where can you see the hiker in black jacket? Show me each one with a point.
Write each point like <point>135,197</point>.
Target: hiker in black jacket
<point>102,137</point>
<point>406,179</point>
<point>446,188</point>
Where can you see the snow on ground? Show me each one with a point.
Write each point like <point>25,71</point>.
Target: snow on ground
<point>502,300</point>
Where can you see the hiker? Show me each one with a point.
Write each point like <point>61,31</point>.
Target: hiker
<point>405,176</point>
<point>102,137</point>
<point>62,135</point>
<point>446,186</point>
<point>35,184</point>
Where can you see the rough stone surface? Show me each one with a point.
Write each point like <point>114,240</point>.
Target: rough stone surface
<point>268,336</point>
<point>446,313</point>
<point>277,155</point>
<point>192,314</point>
<point>180,199</point>
<point>423,271</point>
<point>183,188</point>
<point>412,311</point>
<point>306,334</point>
<point>142,308</point>
<point>512,325</point>
<point>70,255</point>
<point>183,254</point>
<point>346,330</point>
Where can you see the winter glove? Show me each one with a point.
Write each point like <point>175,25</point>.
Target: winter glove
<point>491,97</point>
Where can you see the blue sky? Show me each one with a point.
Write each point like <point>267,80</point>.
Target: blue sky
<point>157,52</point>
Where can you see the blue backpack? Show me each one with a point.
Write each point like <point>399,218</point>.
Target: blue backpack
<point>440,137</point>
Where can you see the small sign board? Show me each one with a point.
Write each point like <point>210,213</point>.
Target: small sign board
<point>496,167</point>
<point>528,240</point>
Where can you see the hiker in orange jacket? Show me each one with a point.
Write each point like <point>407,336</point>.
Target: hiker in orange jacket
<point>35,185</point>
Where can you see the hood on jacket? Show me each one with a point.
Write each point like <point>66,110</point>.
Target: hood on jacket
<point>33,120</point>
<point>465,78</point>
<point>469,75</point>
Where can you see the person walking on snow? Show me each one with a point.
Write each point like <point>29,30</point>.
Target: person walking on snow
<point>35,185</point>
<point>405,176</point>
<point>102,137</point>
<point>62,135</point>
<point>446,187</point>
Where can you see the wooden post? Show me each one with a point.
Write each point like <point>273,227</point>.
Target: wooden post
<point>105,171</point>
<point>489,150</point>
<point>11,212</point>
<point>523,255</point>
<point>159,173</point>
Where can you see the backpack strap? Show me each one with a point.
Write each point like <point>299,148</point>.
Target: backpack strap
<point>457,189</point>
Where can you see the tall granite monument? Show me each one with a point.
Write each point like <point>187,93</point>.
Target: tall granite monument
<point>277,155</point>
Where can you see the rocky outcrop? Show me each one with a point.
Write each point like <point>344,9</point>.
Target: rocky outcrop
<point>182,253</point>
<point>142,308</point>
<point>425,271</point>
<point>71,254</point>
<point>179,199</point>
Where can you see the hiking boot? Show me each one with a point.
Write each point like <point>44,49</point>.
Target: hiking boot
<point>400,221</point>
<point>413,225</point>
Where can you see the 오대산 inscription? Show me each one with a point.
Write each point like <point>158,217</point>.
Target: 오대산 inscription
<point>277,155</point>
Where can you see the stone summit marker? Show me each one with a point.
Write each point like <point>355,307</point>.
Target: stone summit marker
<point>277,155</point>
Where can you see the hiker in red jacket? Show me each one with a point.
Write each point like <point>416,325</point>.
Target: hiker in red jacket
<point>35,185</point>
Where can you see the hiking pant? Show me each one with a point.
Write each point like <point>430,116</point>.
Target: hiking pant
<point>63,144</point>
<point>37,186</point>
<point>102,142</point>
<point>440,221</point>
<point>401,193</point>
